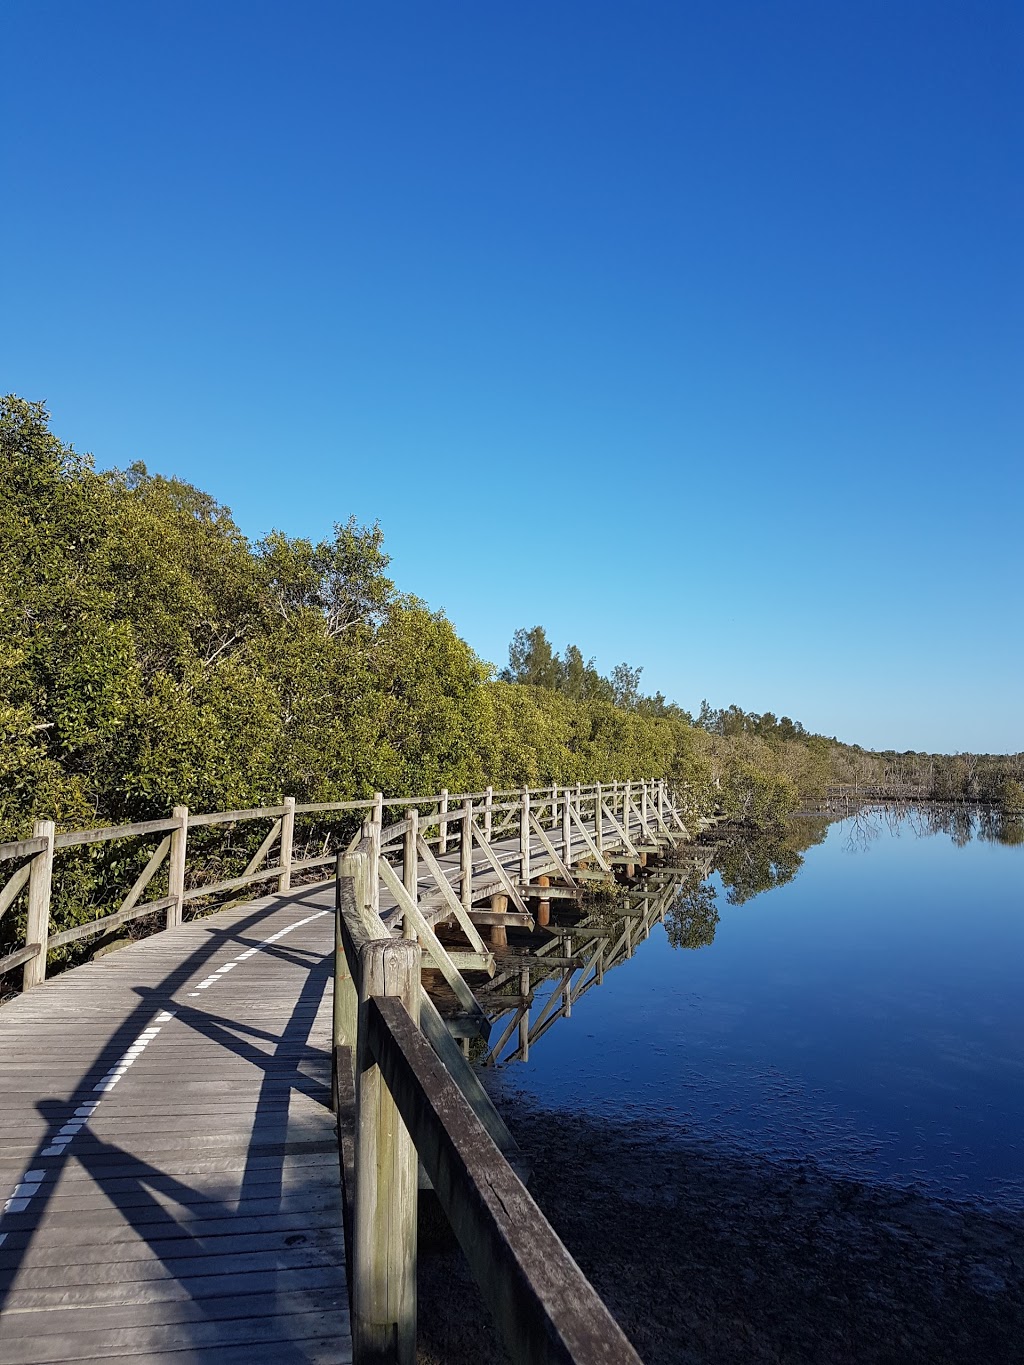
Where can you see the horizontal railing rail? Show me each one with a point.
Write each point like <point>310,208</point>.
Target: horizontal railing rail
<point>461,820</point>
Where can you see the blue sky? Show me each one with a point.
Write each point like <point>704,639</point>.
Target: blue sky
<point>691,331</point>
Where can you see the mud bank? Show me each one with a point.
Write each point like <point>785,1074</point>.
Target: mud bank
<point>704,1257</point>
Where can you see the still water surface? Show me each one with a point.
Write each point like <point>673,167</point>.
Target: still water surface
<point>867,1015</point>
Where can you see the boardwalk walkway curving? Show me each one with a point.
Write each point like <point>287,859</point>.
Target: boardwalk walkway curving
<point>168,1159</point>
<point>165,1134</point>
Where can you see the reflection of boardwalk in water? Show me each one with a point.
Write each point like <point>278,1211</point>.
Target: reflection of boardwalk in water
<point>537,984</point>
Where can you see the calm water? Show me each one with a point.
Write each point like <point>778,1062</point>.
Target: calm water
<point>868,1014</point>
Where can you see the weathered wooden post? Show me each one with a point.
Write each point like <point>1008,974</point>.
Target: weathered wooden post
<point>627,809</point>
<point>598,821</point>
<point>384,1217</point>
<point>554,805</point>
<point>284,881</point>
<point>643,805</point>
<point>488,813</point>
<point>661,799</point>
<point>566,827</point>
<point>442,844</point>
<point>466,856</point>
<point>524,837</point>
<point>40,883</point>
<point>499,934</point>
<point>351,888</point>
<point>176,866</point>
<point>410,864</point>
<point>543,906</point>
<point>372,833</point>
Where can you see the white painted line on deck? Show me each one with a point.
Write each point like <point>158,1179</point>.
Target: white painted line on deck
<point>83,1108</point>
<point>219,972</point>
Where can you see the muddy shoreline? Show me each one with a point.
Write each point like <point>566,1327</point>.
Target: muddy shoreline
<point>703,1256</point>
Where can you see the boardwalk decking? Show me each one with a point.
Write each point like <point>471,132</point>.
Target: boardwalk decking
<point>185,1204</point>
<point>167,1153</point>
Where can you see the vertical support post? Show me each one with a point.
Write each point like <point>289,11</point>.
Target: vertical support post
<point>176,866</point>
<point>384,1217</point>
<point>627,796</point>
<point>543,906</point>
<point>566,827</point>
<point>354,867</point>
<point>643,804</point>
<point>284,881</point>
<point>410,855</point>
<point>598,820</point>
<point>661,799</point>
<point>466,856</point>
<point>524,837</point>
<point>442,843</point>
<point>40,881</point>
<point>554,805</point>
<point>499,934</point>
<point>410,865</point>
<point>488,812</point>
<point>373,832</point>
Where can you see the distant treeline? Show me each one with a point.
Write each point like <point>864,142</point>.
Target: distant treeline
<point>151,655</point>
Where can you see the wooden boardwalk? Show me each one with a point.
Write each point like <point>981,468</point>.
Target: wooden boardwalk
<point>171,1157</point>
<point>169,1168</point>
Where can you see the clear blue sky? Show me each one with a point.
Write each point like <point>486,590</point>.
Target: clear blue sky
<point>691,331</point>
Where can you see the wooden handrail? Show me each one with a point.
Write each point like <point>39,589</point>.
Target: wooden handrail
<point>444,811</point>
<point>409,1107</point>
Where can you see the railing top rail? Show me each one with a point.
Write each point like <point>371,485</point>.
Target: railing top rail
<point>228,817</point>
<point>100,836</point>
<point>21,848</point>
<point>308,806</point>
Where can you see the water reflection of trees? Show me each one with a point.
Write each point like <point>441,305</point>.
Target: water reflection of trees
<point>958,821</point>
<point>748,863</point>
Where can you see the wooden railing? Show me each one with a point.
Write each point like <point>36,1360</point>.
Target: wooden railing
<point>473,820</point>
<point>401,1095</point>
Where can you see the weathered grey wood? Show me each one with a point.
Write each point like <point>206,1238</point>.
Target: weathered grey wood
<point>21,848</point>
<point>468,1082</point>
<point>601,861</point>
<point>466,856</point>
<point>74,838</point>
<point>231,817</point>
<point>384,1217</point>
<point>442,837</point>
<point>17,883</point>
<point>545,1308</point>
<point>513,919</point>
<point>107,922</point>
<point>410,853</point>
<point>556,893</point>
<point>37,923</point>
<point>500,873</point>
<point>147,874</point>
<point>434,948</point>
<point>284,881</point>
<point>265,874</point>
<point>19,956</point>
<point>524,837</point>
<point>450,899</point>
<point>176,866</point>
